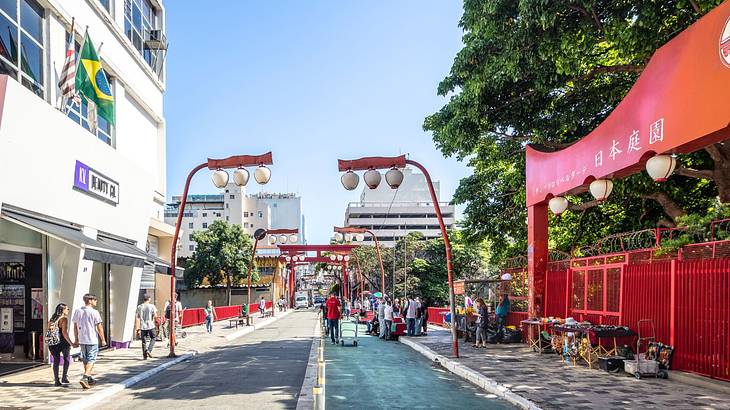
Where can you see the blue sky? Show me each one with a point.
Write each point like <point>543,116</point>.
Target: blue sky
<point>312,81</point>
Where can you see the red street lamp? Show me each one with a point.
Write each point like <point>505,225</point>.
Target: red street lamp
<point>220,180</point>
<point>394,177</point>
<point>343,232</point>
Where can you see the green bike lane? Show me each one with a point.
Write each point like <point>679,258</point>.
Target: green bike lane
<point>389,375</point>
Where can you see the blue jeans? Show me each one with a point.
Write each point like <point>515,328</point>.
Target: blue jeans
<point>209,324</point>
<point>388,323</point>
<point>411,326</point>
<point>419,326</point>
<point>334,325</point>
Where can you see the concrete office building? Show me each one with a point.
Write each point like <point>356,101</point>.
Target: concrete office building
<point>392,214</point>
<point>234,205</point>
<point>80,212</point>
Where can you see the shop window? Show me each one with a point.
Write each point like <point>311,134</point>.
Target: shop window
<point>21,43</point>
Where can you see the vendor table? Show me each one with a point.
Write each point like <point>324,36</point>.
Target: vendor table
<point>584,347</point>
<point>534,327</point>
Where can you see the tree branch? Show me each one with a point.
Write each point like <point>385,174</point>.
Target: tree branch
<point>621,68</point>
<point>695,173</point>
<point>715,153</point>
<point>695,6</point>
<point>584,206</point>
<point>671,208</point>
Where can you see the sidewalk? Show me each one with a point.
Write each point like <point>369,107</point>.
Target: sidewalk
<point>548,383</point>
<point>35,389</point>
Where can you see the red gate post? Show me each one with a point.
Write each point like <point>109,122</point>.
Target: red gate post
<point>291,284</point>
<point>537,257</point>
<point>345,281</point>
<point>673,302</point>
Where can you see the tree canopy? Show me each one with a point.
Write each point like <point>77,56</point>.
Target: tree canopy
<point>548,72</point>
<point>221,256</point>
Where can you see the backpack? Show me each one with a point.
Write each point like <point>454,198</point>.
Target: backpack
<point>53,335</point>
<point>167,312</point>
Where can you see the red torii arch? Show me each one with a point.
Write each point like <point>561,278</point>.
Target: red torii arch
<point>679,104</point>
<point>300,250</point>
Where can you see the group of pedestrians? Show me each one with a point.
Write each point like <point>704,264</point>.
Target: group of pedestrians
<point>414,310</point>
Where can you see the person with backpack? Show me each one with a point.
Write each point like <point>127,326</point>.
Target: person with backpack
<point>59,343</point>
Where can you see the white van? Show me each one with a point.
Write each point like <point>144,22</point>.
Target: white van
<point>301,300</point>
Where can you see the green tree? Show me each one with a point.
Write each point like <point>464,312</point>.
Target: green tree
<point>547,73</point>
<point>222,255</point>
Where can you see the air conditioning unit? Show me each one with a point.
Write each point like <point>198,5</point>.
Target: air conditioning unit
<point>155,40</point>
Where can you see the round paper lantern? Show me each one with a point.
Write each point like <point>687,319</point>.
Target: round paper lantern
<point>293,238</point>
<point>660,167</point>
<point>360,237</point>
<point>558,205</point>
<point>601,189</point>
<point>240,176</point>
<point>220,178</point>
<point>350,180</point>
<point>262,175</point>
<point>338,237</point>
<point>372,178</point>
<point>394,177</point>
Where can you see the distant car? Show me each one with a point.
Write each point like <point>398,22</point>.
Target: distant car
<point>318,300</point>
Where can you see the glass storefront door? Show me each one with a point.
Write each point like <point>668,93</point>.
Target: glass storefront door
<point>100,287</point>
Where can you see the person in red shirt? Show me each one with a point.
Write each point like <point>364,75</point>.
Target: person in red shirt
<point>333,317</point>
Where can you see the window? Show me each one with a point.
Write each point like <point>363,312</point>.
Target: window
<point>232,197</point>
<point>191,247</point>
<point>205,214</point>
<point>140,18</point>
<point>245,224</point>
<point>21,43</point>
<point>106,4</point>
<point>218,214</point>
<point>190,225</point>
<point>190,237</point>
<point>261,214</point>
<point>226,205</point>
<point>245,214</point>
<point>205,225</point>
<point>227,218</point>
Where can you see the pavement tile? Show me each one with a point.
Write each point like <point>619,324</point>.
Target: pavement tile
<point>34,388</point>
<point>547,380</point>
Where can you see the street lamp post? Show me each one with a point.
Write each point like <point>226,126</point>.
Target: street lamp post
<point>394,177</point>
<point>220,180</point>
<point>281,236</point>
<point>358,232</point>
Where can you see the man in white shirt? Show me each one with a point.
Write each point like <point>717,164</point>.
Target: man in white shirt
<point>388,311</point>
<point>146,314</point>
<point>411,313</point>
<point>381,318</point>
<point>88,331</point>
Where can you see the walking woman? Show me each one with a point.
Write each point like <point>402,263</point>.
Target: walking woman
<point>59,343</point>
<point>209,316</point>
<point>481,324</point>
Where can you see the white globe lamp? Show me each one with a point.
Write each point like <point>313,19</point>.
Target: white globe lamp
<point>558,205</point>
<point>220,178</point>
<point>601,189</point>
<point>394,177</point>
<point>262,175</point>
<point>350,180</point>
<point>660,167</point>
<point>372,178</point>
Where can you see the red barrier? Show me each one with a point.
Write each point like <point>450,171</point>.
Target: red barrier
<point>646,295</point>
<point>555,290</point>
<point>196,316</point>
<point>435,317</point>
<point>702,317</point>
<point>514,319</point>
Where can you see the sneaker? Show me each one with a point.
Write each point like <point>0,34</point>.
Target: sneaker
<point>149,354</point>
<point>64,380</point>
<point>57,383</point>
<point>84,382</point>
<point>91,380</point>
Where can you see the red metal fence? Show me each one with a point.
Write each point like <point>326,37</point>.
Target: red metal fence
<point>196,316</point>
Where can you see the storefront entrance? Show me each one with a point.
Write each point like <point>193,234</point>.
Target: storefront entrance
<point>21,310</point>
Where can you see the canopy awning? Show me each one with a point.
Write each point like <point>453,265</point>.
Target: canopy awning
<point>161,265</point>
<point>104,249</point>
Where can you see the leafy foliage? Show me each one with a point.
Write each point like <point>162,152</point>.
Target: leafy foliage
<point>548,72</point>
<point>221,256</point>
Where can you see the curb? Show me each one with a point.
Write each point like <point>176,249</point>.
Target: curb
<point>306,396</point>
<point>472,376</point>
<point>246,330</point>
<point>107,392</point>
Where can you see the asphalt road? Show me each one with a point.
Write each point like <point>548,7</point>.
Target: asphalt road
<point>262,370</point>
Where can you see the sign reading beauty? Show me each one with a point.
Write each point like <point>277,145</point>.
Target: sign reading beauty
<point>679,104</point>
<point>95,184</point>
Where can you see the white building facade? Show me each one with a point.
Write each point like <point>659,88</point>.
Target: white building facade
<point>392,214</point>
<point>81,212</point>
<point>251,211</point>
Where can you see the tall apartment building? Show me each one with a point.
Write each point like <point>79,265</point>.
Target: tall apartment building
<point>234,205</point>
<point>80,211</point>
<point>392,214</point>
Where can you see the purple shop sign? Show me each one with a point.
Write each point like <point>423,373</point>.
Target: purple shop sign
<point>94,183</point>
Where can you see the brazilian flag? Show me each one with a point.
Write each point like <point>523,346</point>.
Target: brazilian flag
<point>91,81</point>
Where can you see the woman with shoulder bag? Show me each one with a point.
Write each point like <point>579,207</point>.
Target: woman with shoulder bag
<point>209,316</point>
<point>59,342</point>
